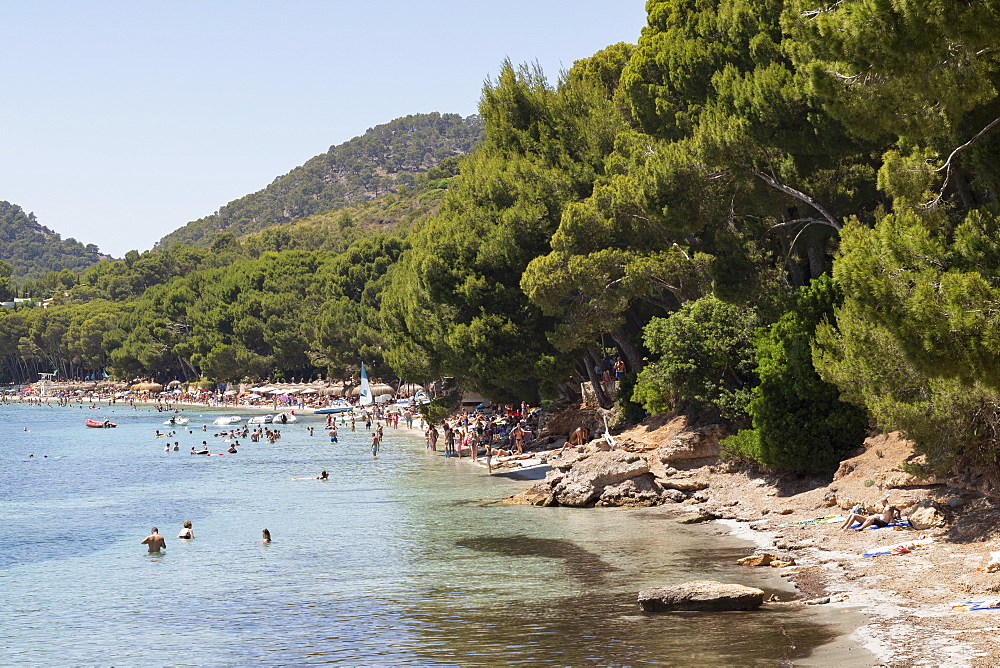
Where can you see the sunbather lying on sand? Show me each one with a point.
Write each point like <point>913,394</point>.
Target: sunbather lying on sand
<point>887,516</point>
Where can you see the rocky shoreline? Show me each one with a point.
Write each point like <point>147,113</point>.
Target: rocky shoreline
<point>908,597</point>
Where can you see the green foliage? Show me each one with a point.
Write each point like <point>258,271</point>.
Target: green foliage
<point>32,250</point>
<point>454,305</point>
<point>704,360</point>
<point>630,411</point>
<point>384,159</point>
<point>799,422</point>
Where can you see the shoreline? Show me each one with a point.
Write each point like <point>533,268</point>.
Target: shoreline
<point>896,608</point>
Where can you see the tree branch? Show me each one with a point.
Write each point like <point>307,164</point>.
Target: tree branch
<point>946,167</point>
<point>798,221</point>
<point>801,196</point>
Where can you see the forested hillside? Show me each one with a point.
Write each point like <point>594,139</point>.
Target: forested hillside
<point>783,214</point>
<point>380,161</point>
<point>33,250</point>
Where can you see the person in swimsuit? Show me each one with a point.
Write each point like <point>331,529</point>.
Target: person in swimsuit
<point>323,476</point>
<point>267,535</point>
<point>187,533</point>
<point>155,541</point>
<point>884,518</point>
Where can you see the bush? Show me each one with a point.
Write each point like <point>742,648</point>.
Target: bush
<point>705,360</point>
<point>799,420</point>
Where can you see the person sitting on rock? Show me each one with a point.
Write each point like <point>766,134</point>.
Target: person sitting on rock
<point>884,518</point>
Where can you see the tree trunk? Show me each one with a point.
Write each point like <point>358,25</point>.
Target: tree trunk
<point>595,380</point>
<point>817,261</point>
<point>632,356</point>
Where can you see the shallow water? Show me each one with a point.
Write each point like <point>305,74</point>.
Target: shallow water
<point>403,559</point>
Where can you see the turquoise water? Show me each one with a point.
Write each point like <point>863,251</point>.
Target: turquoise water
<point>403,559</point>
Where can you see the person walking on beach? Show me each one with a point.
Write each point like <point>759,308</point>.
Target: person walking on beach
<point>155,541</point>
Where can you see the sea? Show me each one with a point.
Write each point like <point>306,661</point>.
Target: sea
<point>401,559</point>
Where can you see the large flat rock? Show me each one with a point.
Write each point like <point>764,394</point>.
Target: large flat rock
<point>701,595</point>
<point>584,482</point>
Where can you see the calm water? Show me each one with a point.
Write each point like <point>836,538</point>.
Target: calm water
<point>396,560</point>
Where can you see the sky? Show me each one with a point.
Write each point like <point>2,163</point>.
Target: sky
<point>122,121</point>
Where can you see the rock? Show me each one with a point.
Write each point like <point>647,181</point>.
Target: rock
<point>756,560</point>
<point>700,496</point>
<point>926,515</point>
<point>696,444</point>
<point>702,595</point>
<point>641,490</point>
<point>786,511</point>
<point>682,485</point>
<point>539,495</point>
<point>777,563</point>
<point>830,498</point>
<point>584,482</point>
<point>954,502</point>
<point>673,496</point>
<point>703,516</point>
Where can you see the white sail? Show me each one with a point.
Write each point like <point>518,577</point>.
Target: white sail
<point>365,398</point>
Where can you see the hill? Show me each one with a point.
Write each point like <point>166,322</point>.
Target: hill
<point>384,159</point>
<point>33,250</point>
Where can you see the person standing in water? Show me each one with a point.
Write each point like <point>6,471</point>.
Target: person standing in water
<point>267,535</point>
<point>187,533</point>
<point>375,444</point>
<point>155,541</point>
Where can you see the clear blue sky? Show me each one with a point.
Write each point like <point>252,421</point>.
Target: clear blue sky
<point>122,121</point>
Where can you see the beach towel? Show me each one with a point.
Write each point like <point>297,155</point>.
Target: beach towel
<point>968,606</point>
<point>898,548</point>
<point>829,519</point>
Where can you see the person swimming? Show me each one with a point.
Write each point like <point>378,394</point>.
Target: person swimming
<point>187,533</point>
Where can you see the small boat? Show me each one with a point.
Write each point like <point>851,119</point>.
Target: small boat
<point>284,418</point>
<point>177,421</point>
<point>335,407</point>
<point>261,419</point>
<point>226,420</point>
<point>100,424</point>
